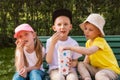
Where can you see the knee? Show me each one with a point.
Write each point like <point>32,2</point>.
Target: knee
<point>17,77</point>
<point>72,77</point>
<point>54,75</point>
<point>100,74</point>
<point>57,77</point>
<point>34,71</point>
<point>35,74</point>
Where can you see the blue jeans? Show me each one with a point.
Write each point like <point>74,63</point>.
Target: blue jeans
<point>32,75</point>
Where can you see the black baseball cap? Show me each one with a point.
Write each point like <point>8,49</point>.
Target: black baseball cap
<point>62,12</point>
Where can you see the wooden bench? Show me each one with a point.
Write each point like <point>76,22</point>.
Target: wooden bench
<point>113,41</point>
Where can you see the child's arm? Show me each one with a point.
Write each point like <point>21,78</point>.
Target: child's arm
<point>50,52</point>
<point>19,55</point>
<point>81,50</point>
<point>23,71</point>
<point>32,68</point>
<point>19,62</point>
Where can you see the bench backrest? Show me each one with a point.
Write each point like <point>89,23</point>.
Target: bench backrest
<point>113,41</point>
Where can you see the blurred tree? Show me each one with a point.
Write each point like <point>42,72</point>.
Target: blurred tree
<point>38,13</point>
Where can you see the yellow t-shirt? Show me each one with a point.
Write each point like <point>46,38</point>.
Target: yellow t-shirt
<point>104,57</point>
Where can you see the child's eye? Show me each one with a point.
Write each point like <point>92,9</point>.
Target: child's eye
<point>65,24</point>
<point>19,36</point>
<point>26,34</point>
<point>59,24</point>
<point>85,28</point>
<point>90,30</point>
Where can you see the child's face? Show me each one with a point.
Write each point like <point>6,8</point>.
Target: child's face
<point>62,24</point>
<point>26,38</point>
<point>91,31</point>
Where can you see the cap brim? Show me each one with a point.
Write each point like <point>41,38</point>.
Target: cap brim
<point>16,34</point>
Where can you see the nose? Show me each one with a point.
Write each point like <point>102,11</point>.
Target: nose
<point>86,31</point>
<point>23,37</point>
<point>62,26</point>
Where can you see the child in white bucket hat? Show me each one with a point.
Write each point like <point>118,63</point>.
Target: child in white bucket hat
<point>97,20</point>
<point>99,61</point>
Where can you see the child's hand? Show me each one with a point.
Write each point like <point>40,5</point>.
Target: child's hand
<point>23,72</point>
<point>55,38</point>
<point>73,63</point>
<point>20,43</point>
<point>69,63</point>
<point>62,48</point>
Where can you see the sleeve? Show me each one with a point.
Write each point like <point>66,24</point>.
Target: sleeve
<point>99,42</point>
<point>47,44</point>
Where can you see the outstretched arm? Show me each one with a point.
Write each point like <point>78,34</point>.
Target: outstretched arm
<point>81,50</point>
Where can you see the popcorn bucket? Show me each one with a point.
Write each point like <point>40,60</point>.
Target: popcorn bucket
<point>64,58</point>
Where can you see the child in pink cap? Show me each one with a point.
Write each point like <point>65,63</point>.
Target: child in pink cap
<point>28,55</point>
<point>99,61</point>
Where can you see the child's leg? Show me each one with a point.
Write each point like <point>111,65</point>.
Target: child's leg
<point>18,77</point>
<point>72,76</point>
<point>106,74</point>
<point>54,75</point>
<point>83,71</point>
<point>36,75</point>
<point>86,70</point>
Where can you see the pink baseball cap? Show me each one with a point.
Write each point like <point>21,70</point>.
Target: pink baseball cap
<point>22,27</point>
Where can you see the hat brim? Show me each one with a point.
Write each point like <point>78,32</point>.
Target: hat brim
<point>81,26</point>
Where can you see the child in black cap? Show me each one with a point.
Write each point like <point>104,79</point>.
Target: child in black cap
<point>62,25</point>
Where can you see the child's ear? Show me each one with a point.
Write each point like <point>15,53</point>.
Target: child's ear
<point>71,27</point>
<point>54,28</point>
<point>34,34</point>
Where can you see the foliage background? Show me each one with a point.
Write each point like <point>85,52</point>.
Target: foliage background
<point>38,13</point>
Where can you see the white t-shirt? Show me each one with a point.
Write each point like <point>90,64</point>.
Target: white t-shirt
<point>69,42</point>
<point>31,57</point>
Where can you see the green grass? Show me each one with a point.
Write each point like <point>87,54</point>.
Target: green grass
<point>7,67</point>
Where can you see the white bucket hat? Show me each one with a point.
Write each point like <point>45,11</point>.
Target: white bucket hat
<point>96,20</point>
